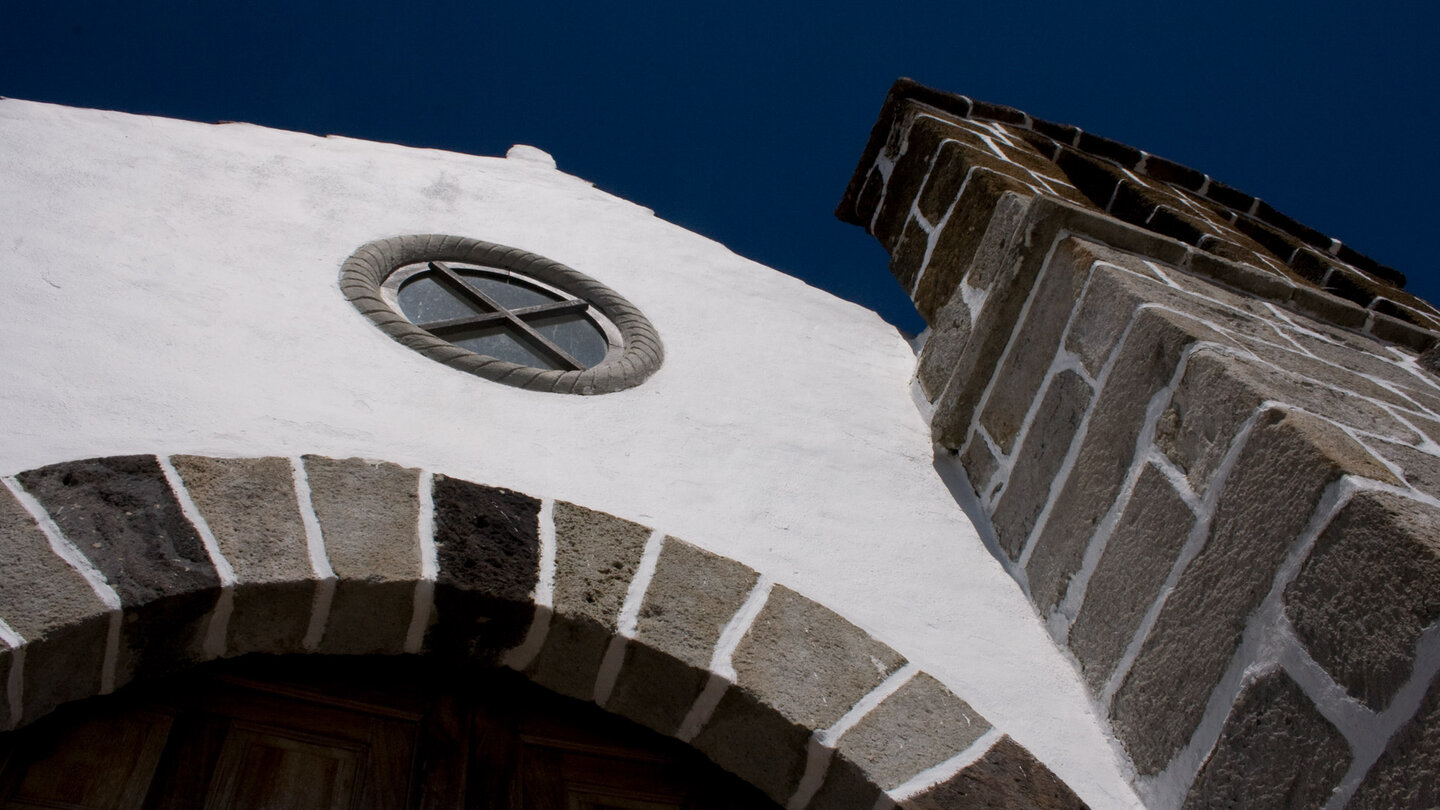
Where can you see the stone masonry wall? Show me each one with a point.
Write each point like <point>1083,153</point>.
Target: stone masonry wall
<point>1204,439</point>
<point>123,568</point>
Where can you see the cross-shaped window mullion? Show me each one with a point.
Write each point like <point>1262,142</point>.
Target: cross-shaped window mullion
<point>573,305</point>
<point>500,314</point>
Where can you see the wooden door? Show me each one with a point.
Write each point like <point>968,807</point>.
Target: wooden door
<point>352,734</point>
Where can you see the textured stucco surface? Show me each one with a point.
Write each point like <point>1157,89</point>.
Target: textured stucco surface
<point>196,270</point>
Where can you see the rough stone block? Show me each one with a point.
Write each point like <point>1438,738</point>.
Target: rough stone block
<point>1275,751</point>
<point>691,598</point>
<point>951,326</point>
<point>1146,363</point>
<point>120,512</point>
<point>1288,461</point>
<point>1219,391</point>
<point>1009,273</point>
<point>980,465</point>
<point>957,244</point>
<point>922,133</point>
<point>596,556</point>
<point>1326,374</point>
<point>1368,590</point>
<point>752,740</point>
<point>1138,557</point>
<point>908,256</point>
<point>846,787</point>
<point>1328,308</point>
<point>921,725</point>
<point>807,662</point>
<point>44,600</point>
<point>1405,775</point>
<point>1029,486</point>
<point>251,509</point>
<point>487,547</point>
<point>369,515</point>
<point>799,669</point>
<point>1008,777</point>
<point>1420,470</point>
<point>1033,348</point>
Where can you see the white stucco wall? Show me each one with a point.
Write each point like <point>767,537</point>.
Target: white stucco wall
<point>172,287</point>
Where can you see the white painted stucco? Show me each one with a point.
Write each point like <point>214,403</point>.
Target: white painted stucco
<point>171,287</point>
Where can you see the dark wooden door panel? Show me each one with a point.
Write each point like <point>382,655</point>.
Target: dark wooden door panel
<point>353,734</point>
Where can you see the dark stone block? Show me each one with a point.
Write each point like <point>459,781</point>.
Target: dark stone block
<point>1164,695</point>
<point>1281,245</point>
<point>986,214</point>
<point>487,547</point>
<point>1354,257</point>
<point>997,112</point>
<point>1368,590</point>
<point>1276,751</point>
<point>1168,171</point>
<point>120,512</point>
<point>1123,154</point>
<point>569,663</point>
<point>1327,307</point>
<point>1008,777</point>
<point>1064,133</point>
<point>1167,221</point>
<point>908,255</point>
<point>1268,214</point>
<point>1229,196</point>
<point>1095,180</point>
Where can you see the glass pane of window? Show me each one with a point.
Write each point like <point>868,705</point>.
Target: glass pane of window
<point>499,342</point>
<point>424,300</point>
<point>508,292</point>
<point>577,335</point>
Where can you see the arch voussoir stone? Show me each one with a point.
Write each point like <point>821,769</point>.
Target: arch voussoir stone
<point>208,557</point>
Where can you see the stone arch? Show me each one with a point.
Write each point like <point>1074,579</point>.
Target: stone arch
<point>123,568</point>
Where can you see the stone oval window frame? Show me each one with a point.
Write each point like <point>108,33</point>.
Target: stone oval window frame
<point>364,274</point>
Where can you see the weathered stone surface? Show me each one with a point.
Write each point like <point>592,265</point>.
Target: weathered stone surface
<point>1137,559</point>
<point>1275,751</point>
<point>1220,391</point>
<point>1327,374</point>
<point>800,668</point>
<point>44,600</point>
<point>1029,486</point>
<point>120,512</point>
<point>1008,777</point>
<point>1032,350</point>
<point>951,325</point>
<point>691,598</point>
<point>369,516</point>
<point>487,547</point>
<point>1146,363</point>
<point>921,133</point>
<point>809,663</point>
<point>752,740</point>
<point>978,211</point>
<point>1009,273</point>
<point>1405,775</point>
<point>1368,590</point>
<point>1164,694</point>
<point>908,257</point>
<point>845,788</point>
<point>980,465</point>
<point>595,558</point>
<point>251,509</point>
<point>1419,469</point>
<point>918,727</point>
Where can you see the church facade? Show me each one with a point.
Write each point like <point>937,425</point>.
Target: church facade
<point>1148,521</point>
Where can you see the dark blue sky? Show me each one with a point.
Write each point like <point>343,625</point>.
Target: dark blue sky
<point>743,121</point>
